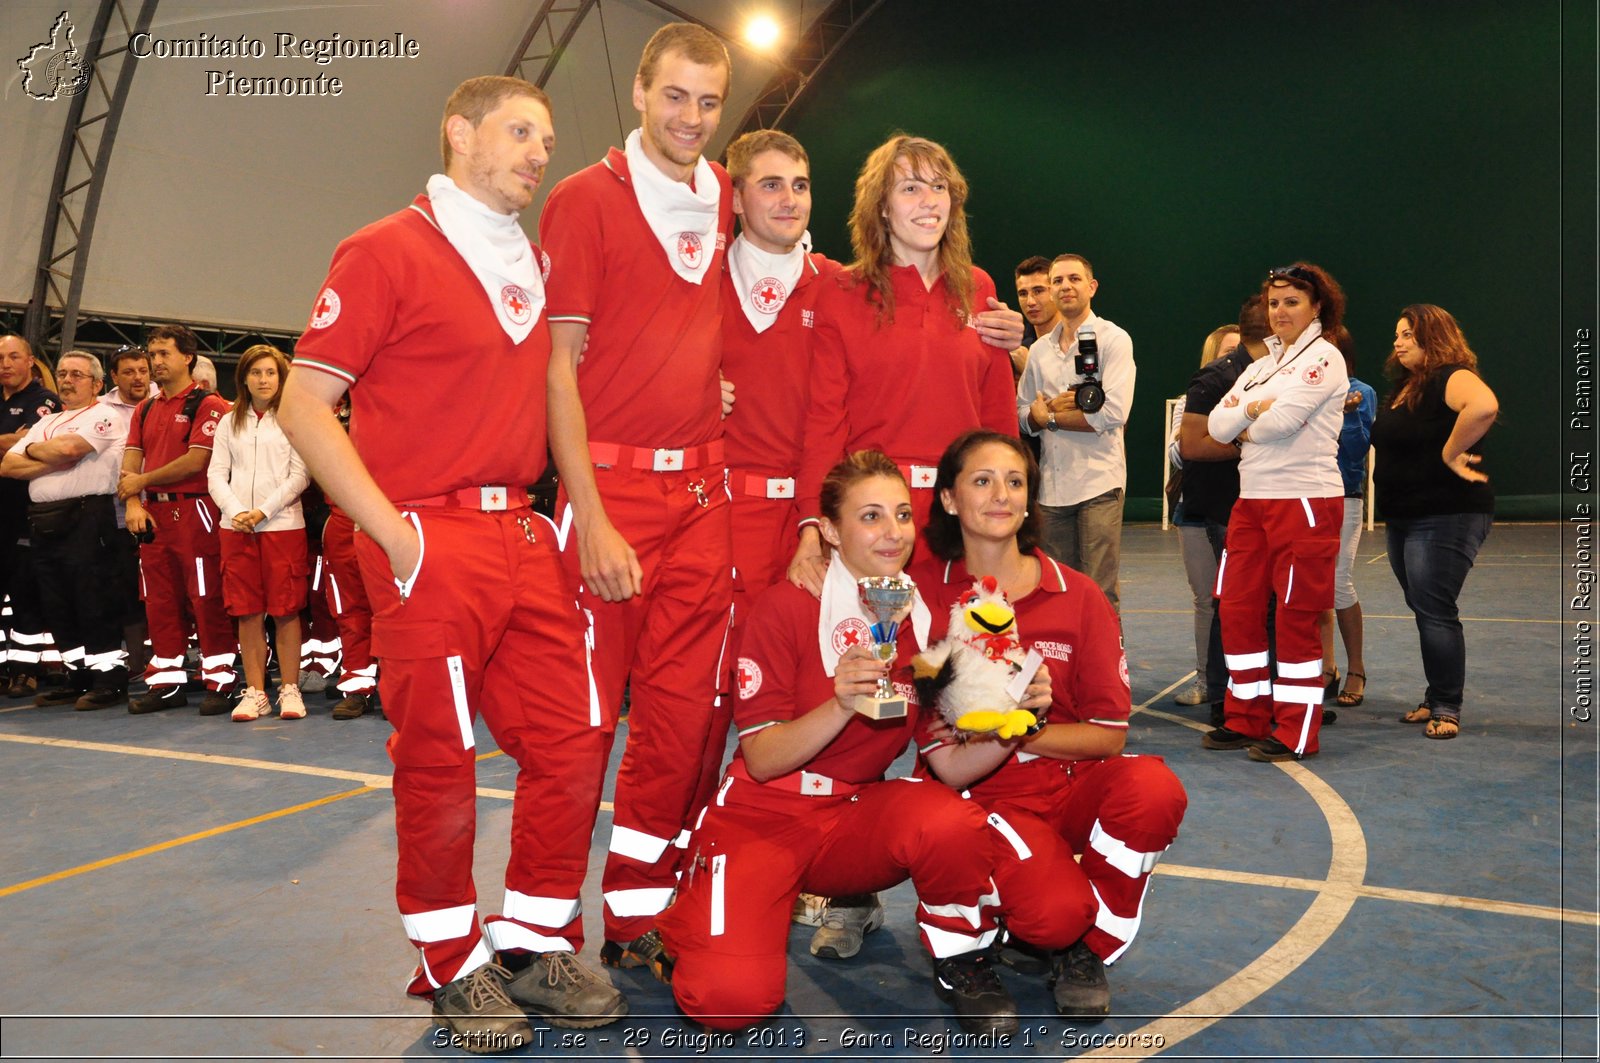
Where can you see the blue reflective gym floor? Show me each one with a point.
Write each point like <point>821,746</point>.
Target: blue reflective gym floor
<point>177,887</point>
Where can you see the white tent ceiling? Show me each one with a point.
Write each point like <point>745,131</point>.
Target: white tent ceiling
<point>226,209</point>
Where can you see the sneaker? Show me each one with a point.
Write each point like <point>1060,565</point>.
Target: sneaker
<point>1195,695</point>
<point>1273,750</point>
<point>557,988</point>
<point>844,923</point>
<point>102,698</point>
<point>216,702</point>
<point>1222,738</point>
<point>1078,982</point>
<point>808,909</point>
<point>252,706</point>
<point>312,682</point>
<point>158,698</point>
<point>353,707</point>
<point>291,706</point>
<point>646,950</point>
<point>478,1014</point>
<point>969,984</point>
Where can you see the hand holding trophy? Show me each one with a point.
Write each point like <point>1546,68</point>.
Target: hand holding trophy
<point>886,599</point>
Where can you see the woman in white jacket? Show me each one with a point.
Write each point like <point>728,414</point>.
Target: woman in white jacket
<point>256,479</point>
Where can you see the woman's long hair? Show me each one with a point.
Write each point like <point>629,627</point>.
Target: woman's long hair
<point>241,402</point>
<point>869,229</point>
<point>1435,331</point>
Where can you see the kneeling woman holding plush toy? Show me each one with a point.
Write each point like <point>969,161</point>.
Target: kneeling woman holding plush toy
<point>1063,785</point>
<point>805,806</point>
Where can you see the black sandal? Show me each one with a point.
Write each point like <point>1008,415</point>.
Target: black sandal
<point>1348,700</point>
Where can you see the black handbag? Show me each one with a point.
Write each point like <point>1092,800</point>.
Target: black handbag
<point>55,520</point>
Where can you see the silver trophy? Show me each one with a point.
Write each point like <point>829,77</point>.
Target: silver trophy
<point>884,598</point>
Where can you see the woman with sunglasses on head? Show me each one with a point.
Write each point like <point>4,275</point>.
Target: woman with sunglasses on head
<point>1284,414</point>
<point>256,479</point>
<point>1436,500</point>
<point>1068,787</point>
<point>805,806</point>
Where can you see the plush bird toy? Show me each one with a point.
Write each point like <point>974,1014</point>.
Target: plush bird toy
<point>966,673</point>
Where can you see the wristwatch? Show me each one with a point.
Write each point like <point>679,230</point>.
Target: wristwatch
<point>1051,423</point>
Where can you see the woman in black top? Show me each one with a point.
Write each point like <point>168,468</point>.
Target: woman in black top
<point>1435,498</point>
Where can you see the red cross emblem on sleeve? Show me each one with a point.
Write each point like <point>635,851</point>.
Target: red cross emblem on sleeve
<point>748,676</point>
<point>326,311</point>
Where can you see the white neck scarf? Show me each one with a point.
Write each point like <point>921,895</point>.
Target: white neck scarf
<point>496,250</point>
<point>684,219</point>
<point>764,280</point>
<point>843,623</point>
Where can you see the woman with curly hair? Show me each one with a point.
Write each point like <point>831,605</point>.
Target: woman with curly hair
<point>1436,501</point>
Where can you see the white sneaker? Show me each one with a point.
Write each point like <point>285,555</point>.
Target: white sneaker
<point>252,706</point>
<point>290,705</point>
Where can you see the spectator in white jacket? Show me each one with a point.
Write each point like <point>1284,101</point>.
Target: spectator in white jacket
<point>256,479</point>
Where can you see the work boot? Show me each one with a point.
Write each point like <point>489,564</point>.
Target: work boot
<point>353,707</point>
<point>1222,738</point>
<point>845,921</point>
<point>969,984</point>
<point>647,950</point>
<point>109,688</point>
<point>1273,750</point>
<point>479,1015</point>
<point>1078,982</point>
<point>557,988</point>
<point>75,686</point>
<point>217,702</point>
<point>158,698</point>
<point>23,685</point>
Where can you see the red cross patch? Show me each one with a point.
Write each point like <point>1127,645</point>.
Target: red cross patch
<point>544,265</point>
<point>1122,666</point>
<point>850,632</point>
<point>1312,375</point>
<point>768,295</point>
<point>690,249</point>
<point>518,303</point>
<point>748,676</point>
<point>326,312</point>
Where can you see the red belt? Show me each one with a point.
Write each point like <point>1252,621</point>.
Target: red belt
<point>487,499</point>
<point>800,782</point>
<point>657,460</point>
<point>761,486</point>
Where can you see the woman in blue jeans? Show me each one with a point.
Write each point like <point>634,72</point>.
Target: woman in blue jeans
<point>1435,497</point>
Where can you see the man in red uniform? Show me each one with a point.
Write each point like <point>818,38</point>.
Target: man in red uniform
<point>164,484</point>
<point>636,430</point>
<point>471,610</point>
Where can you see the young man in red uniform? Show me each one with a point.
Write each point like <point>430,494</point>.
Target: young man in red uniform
<point>471,610</point>
<point>166,459</point>
<point>636,431</point>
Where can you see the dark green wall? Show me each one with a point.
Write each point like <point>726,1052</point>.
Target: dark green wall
<point>1411,149</point>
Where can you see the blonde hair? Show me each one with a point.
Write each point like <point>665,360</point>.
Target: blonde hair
<point>1213,344</point>
<point>869,229</point>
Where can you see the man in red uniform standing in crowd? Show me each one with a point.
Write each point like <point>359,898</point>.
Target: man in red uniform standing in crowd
<point>636,430</point>
<point>471,609</point>
<point>169,449</point>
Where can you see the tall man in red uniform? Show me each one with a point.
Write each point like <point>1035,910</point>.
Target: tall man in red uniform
<point>636,430</point>
<point>472,612</point>
<point>164,484</point>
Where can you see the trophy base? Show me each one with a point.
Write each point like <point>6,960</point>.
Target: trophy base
<point>881,708</point>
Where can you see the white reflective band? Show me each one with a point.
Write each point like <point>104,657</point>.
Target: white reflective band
<point>701,818</point>
<point>1288,589</point>
<point>165,678</point>
<point>24,638</point>
<point>970,913</point>
<point>1311,521</point>
<point>719,872</point>
<point>73,657</point>
<point>682,840</point>
<point>422,548</point>
<point>333,585</point>
<point>316,575</point>
<point>23,656</point>
<point>1119,927</point>
<point>1300,669</point>
<point>1222,566</point>
<point>441,924</point>
<point>625,904</point>
<point>727,632</point>
<point>1246,691</point>
<point>722,791</point>
<point>458,691</point>
<point>157,661</point>
<point>637,845</point>
<point>223,679</point>
<point>1138,914</point>
<point>588,669</point>
<point>480,955</point>
<point>50,657</point>
<point>1296,693</point>
<point>1009,833</point>
<point>1130,862</point>
<point>540,911</point>
<point>945,943</point>
<point>105,662</point>
<point>216,660</point>
<point>504,934</point>
<point>359,680</point>
<point>1238,662</point>
<point>205,518</point>
<point>564,529</point>
<point>813,785</point>
<point>200,576</point>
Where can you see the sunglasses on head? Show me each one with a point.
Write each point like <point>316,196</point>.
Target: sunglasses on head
<point>1288,273</point>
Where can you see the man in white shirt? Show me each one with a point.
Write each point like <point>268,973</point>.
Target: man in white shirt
<point>1083,467</point>
<point>72,461</point>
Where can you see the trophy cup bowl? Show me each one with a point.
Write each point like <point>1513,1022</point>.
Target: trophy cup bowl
<point>884,599</point>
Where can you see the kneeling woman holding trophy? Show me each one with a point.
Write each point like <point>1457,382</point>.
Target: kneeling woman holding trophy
<point>805,806</point>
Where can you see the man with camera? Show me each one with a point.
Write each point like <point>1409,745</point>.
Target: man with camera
<point>1075,395</point>
<point>71,461</point>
